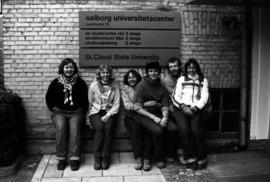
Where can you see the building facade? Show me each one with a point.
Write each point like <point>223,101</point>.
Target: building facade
<point>38,34</point>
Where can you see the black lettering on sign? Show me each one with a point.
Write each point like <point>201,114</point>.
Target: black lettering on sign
<point>128,38</point>
<point>88,57</point>
<point>98,18</point>
<point>120,57</point>
<point>102,57</point>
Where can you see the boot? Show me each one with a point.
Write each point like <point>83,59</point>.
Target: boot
<point>74,165</point>
<point>61,165</point>
<point>139,163</point>
<point>105,164</point>
<point>147,165</point>
<point>97,165</point>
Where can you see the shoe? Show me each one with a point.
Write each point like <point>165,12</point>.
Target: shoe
<point>97,164</point>
<point>169,159</point>
<point>192,165</point>
<point>181,159</point>
<point>147,165</point>
<point>160,164</point>
<point>139,163</point>
<point>105,164</point>
<point>202,166</point>
<point>61,165</point>
<point>74,165</point>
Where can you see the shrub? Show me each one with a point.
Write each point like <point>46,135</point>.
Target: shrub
<point>12,127</point>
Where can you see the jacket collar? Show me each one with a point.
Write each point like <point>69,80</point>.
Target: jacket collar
<point>152,82</point>
<point>193,78</point>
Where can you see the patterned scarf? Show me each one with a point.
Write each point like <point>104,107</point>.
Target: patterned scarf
<point>194,78</point>
<point>102,89</point>
<point>67,88</point>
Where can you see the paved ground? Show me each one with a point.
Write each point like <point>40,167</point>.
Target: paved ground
<point>241,167</point>
<point>121,170</point>
<point>249,166</point>
<point>25,171</point>
<point>226,167</point>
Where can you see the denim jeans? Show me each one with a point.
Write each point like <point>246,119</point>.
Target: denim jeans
<point>192,134</point>
<point>103,134</point>
<point>174,138</point>
<point>68,133</point>
<point>153,135</point>
<point>135,131</point>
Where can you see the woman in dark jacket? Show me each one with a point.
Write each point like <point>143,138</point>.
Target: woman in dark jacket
<point>151,104</point>
<point>67,99</point>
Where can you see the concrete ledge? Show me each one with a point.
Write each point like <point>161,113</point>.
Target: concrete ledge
<point>39,146</point>
<point>48,146</point>
<point>259,144</point>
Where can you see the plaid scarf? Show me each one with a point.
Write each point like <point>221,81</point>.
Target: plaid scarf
<point>67,88</point>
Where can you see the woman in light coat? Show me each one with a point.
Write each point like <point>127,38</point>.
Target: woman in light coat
<point>104,102</point>
<point>131,79</point>
<point>190,96</point>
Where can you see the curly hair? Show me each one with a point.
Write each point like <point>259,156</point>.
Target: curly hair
<point>101,69</point>
<point>197,68</point>
<point>65,62</point>
<point>152,65</point>
<point>133,72</point>
<point>172,60</point>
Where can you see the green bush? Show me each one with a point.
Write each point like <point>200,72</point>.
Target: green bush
<point>12,127</point>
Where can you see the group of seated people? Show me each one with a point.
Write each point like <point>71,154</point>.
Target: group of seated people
<point>162,115</point>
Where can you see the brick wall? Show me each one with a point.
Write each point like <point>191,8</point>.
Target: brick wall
<point>217,48</point>
<point>1,53</point>
<point>38,34</point>
<point>1,77</point>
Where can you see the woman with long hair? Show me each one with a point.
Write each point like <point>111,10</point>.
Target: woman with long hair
<point>190,96</point>
<point>131,79</point>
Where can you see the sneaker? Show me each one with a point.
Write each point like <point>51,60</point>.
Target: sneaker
<point>61,165</point>
<point>74,165</point>
<point>192,165</point>
<point>147,165</point>
<point>202,166</point>
<point>105,164</point>
<point>97,165</point>
<point>160,164</point>
<point>139,163</point>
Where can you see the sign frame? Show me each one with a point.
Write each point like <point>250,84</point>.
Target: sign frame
<point>1,5</point>
<point>143,35</point>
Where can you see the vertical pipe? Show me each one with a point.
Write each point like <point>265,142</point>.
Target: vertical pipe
<point>243,118</point>
<point>245,76</point>
<point>1,54</point>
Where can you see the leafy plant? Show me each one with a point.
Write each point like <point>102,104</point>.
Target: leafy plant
<point>12,126</point>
